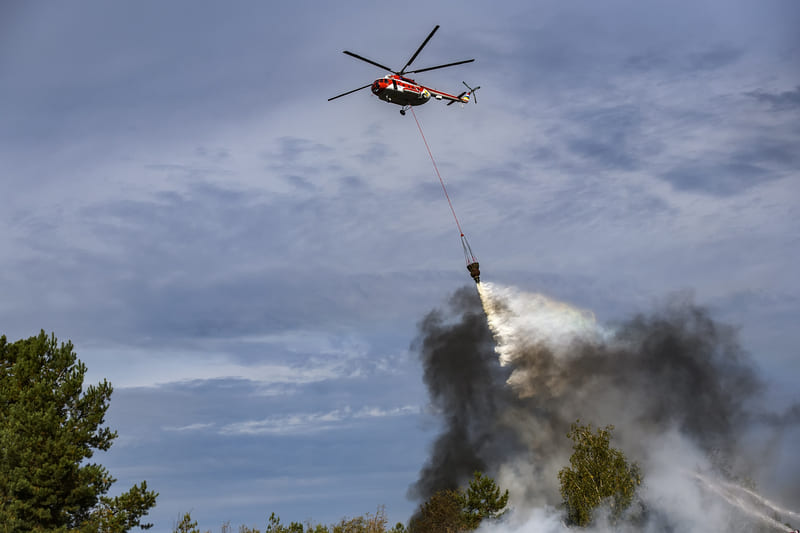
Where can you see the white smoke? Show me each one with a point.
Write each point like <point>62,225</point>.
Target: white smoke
<point>679,493</point>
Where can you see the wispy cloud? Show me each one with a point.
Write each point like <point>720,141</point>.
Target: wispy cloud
<point>309,423</point>
<point>148,368</point>
<point>784,100</point>
<point>190,427</point>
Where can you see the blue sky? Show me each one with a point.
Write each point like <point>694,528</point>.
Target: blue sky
<point>247,263</point>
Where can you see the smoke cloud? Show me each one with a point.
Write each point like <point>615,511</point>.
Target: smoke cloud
<point>508,372</point>
<point>466,388</point>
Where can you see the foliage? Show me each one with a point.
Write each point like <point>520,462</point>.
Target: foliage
<point>483,501</point>
<point>123,512</point>
<point>442,513</point>
<point>597,473</point>
<point>186,525</point>
<point>274,526</point>
<point>369,523</point>
<point>446,511</point>
<point>49,428</point>
<point>450,511</point>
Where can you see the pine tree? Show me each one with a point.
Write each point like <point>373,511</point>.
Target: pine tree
<point>441,513</point>
<point>457,510</point>
<point>483,500</point>
<point>50,428</point>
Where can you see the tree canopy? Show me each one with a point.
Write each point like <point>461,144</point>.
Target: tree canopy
<point>456,510</point>
<point>49,429</point>
<point>597,473</point>
<point>483,500</point>
<point>441,513</point>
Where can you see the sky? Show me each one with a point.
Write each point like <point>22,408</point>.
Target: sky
<point>248,263</point>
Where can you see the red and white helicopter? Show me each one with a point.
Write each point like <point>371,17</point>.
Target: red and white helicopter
<point>397,89</point>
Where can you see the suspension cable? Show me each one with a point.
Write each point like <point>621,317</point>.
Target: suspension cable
<point>437,173</point>
<point>468,255</point>
<point>472,262</point>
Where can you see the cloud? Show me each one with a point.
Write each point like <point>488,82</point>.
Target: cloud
<point>725,178</point>
<point>190,427</point>
<point>780,101</point>
<point>752,161</point>
<point>714,58</point>
<point>146,368</point>
<point>226,246</point>
<point>293,149</point>
<point>310,423</point>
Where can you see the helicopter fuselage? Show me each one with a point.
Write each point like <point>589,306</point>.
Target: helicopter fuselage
<point>404,91</point>
<point>399,90</point>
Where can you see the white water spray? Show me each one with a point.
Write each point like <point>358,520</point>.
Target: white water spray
<point>522,323</point>
<point>763,501</point>
<point>735,495</point>
<point>519,319</point>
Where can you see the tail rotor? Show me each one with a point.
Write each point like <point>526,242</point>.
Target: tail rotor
<point>472,91</point>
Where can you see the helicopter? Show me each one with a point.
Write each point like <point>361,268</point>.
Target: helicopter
<point>396,88</point>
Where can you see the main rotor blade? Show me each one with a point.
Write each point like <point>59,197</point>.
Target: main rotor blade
<point>419,50</point>
<point>441,66</point>
<point>348,92</point>
<point>371,62</point>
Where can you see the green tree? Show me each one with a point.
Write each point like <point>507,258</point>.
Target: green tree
<point>442,513</point>
<point>274,526</point>
<point>368,523</point>
<point>186,525</point>
<point>398,528</point>
<point>482,501</point>
<point>597,473</point>
<point>451,511</point>
<point>49,429</point>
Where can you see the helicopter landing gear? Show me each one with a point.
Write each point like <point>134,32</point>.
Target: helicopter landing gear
<point>403,109</point>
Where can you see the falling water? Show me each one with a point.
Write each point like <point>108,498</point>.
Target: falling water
<point>763,501</point>
<point>743,500</point>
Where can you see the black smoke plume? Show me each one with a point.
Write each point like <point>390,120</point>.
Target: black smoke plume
<point>466,388</point>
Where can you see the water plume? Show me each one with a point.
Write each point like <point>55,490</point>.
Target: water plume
<point>774,507</point>
<point>745,500</point>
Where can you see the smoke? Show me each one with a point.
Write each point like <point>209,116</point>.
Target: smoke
<point>508,372</point>
<point>466,388</point>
